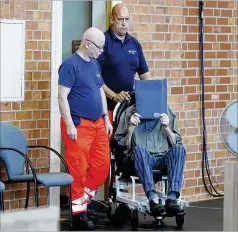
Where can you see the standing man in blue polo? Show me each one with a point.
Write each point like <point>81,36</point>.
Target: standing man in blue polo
<point>121,60</point>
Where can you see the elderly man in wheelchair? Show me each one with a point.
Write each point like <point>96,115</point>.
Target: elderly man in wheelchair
<point>154,145</point>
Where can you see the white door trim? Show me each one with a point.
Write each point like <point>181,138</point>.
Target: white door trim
<point>56,59</point>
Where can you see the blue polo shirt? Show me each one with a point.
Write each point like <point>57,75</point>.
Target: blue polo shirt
<point>85,80</point>
<point>120,61</point>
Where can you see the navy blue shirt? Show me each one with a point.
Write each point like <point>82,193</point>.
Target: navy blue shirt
<point>85,80</point>
<point>120,61</point>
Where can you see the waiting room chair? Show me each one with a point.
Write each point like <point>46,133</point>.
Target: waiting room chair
<point>13,154</point>
<point>2,188</point>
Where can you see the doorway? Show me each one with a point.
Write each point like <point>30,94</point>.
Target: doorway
<point>76,18</point>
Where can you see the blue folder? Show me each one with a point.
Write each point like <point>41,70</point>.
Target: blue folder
<point>151,98</point>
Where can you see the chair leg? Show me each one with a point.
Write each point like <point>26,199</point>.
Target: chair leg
<point>36,195</point>
<point>2,201</point>
<point>70,209</point>
<point>27,194</point>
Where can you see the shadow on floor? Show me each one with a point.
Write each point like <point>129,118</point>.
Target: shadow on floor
<point>200,216</point>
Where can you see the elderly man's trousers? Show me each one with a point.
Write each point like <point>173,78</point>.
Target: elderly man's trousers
<point>173,161</point>
<point>88,160</point>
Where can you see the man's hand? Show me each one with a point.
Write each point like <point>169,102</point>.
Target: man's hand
<point>72,133</point>
<point>108,125</point>
<point>135,120</point>
<point>120,97</point>
<point>164,120</point>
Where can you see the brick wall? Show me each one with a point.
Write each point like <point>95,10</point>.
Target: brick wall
<point>169,33</point>
<point>33,114</point>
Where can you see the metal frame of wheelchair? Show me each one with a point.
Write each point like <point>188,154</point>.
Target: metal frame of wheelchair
<point>127,204</point>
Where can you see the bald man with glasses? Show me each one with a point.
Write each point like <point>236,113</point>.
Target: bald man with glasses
<point>85,125</point>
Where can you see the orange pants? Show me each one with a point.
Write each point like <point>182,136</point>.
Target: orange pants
<point>88,160</point>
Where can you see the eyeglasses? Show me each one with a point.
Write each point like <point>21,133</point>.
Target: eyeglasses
<point>99,47</point>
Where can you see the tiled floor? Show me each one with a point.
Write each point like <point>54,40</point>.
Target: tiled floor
<point>200,216</point>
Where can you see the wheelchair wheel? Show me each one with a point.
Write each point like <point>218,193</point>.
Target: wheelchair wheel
<point>110,213</point>
<point>121,215</point>
<point>134,219</point>
<point>180,221</point>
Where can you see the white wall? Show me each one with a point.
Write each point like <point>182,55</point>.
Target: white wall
<point>77,17</point>
<point>12,60</point>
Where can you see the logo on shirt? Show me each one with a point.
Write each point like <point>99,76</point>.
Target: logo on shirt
<point>98,75</point>
<point>132,51</point>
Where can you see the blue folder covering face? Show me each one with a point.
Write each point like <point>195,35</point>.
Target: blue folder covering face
<point>151,98</point>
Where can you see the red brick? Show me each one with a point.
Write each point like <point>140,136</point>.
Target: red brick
<point>176,90</point>
<point>209,88</point>
<point>5,106</point>
<point>209,105</point>
<point>141,9</point>
<point>210,38</point>
<point>221,88</point>
<point>226,96</point>
<point>220,104</point>
<point>193,81</point>
<point>224,80</point>
<point>193,46</point>
<point>191,37</point>
<point>190,183</point>
<point>223,4</point>
<point>207,46</point>
<point>193,98</point>
<point>225,46</point>
<point>226,29</point>
<point>221,72</point>
<point>210,3</point>
<point>222,21</point>
<point>211,21</point>
<point>7,116</point>
<point>191,3</point>
<point>191,20</point>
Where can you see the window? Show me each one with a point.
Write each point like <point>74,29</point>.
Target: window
<point>12,60</point>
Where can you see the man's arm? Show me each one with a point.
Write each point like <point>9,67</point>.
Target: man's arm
<point>165,122</point>
<point>63,93</point>
<point>128,137</point>
<point>171,136</point>
<point>109,93</point>
<point>116,97</point>
<point>108,125</point>
<point>145,76</point>
<point>134,121</point>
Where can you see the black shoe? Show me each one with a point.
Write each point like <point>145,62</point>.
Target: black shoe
<point>172,208</point>
<point>92,216</point>
<point>156,209</point>
<point>82,223</point>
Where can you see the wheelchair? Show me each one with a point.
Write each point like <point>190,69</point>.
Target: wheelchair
<point>124,202</point>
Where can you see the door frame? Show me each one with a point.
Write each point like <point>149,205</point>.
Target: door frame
<point>56,59</point>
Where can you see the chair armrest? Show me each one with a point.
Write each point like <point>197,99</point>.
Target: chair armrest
<point>26,159</point>
<point>57,153</point>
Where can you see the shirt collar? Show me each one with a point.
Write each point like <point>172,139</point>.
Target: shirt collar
<point>113,36</point>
